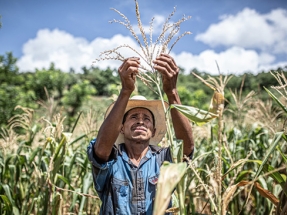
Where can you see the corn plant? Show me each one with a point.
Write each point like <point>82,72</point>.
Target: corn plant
<point>281,89</point>
<point>45,170</point>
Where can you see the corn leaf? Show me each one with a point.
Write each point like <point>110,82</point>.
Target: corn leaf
<point>243,174</point>
<point>65,180</point>
<point>263,192</point>
<point>6,188</point>
<point>15,210</point>
<point>274,143</point>
<point>282,154</point>
<point>8,204</point>
<point>275,175</point>
<point>198,116</point>
<point>57,204</point>
<point>87,182</point>
<point>234,166</point>
<point>170,176</point>
<point>77,120</point>
<point>265,167</point>
<point>266,193</point>
<point>276,99</point>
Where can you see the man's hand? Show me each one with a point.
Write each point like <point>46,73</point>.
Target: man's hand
<point>128,71</point>
<point>166,65</point>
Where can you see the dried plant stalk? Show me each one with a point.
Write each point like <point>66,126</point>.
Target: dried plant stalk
<point>217,106</point>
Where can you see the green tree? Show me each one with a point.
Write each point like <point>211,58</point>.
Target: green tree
<point>54,80</point>
<point>101,79</point>
<point>75,96</point>
<point>12,89</point>
<point>8,68</point>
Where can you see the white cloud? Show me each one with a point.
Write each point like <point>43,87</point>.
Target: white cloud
<point>235,60</point>
<point>67,51</point>
<point>249,29</point>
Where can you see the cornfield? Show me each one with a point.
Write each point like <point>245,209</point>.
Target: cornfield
<point>44,168</point>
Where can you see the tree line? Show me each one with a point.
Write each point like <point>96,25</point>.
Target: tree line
<point>72,91</point>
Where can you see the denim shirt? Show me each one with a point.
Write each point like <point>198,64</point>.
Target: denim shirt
<point>123,187</point>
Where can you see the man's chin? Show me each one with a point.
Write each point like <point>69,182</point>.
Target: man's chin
<point>140,139</point>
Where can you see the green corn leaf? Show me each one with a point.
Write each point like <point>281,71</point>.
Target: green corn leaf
<point>87,182</point>
<point>33,154</point>
<point>198,116</point>
<point>56,204</point>
<point>265,168</point>
<point>32,205</point>
<point>74,198</point>
<point>273,145</point>
<point>76,122</point>
<point>77,139</point>
<point>15,211</point>
<point>235,165</point>
<point>282,154</point>
<point>8,193</point>
<point>275,175</point>
<point>7,203</point>
<point>65,180</point>
<point>71,164</point>
<point>177,152</point>
<point>57,165</point>
<point>60,146</point>
<point>170,176</point>
<point>242,175</point>
<point>276,99</point>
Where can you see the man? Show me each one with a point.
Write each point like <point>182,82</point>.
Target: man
<point>125,175</point>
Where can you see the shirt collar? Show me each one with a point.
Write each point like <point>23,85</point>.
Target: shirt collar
<point>152,149</point>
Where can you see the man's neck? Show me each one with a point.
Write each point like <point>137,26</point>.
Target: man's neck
<point>136,152</point>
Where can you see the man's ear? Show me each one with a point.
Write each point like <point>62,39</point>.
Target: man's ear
<point>153,133</point>
<point>122,129</point>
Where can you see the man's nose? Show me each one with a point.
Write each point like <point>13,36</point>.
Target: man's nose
<point>140,120</point>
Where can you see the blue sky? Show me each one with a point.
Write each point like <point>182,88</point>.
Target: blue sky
<point>240,35</point>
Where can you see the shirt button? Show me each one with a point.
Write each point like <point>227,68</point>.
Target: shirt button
<point>140,188</point>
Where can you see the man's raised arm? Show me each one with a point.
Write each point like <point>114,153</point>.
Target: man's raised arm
<point>182,127</point>
<point>110,128</point>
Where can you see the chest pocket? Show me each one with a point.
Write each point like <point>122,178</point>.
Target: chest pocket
<point>152,182</point>
<point>120,191</point>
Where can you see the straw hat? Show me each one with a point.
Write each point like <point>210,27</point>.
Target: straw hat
<point>155,106</point>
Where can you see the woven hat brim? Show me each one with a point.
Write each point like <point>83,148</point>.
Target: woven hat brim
<point>156,107</point>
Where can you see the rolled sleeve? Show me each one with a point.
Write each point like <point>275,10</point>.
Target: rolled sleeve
<point>100,170</point>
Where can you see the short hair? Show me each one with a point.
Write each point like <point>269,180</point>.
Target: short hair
<point>125,116</point>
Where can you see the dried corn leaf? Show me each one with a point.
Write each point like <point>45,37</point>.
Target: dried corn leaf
<point>170,175</point>
<point>266,193</point>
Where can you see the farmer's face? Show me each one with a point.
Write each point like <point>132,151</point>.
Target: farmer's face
<point>138,126</point>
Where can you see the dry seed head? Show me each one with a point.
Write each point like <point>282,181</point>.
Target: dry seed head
<point>149,49</point>
<point>281,79</point>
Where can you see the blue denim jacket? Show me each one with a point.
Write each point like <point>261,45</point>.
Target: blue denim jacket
<point>123,187</point>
